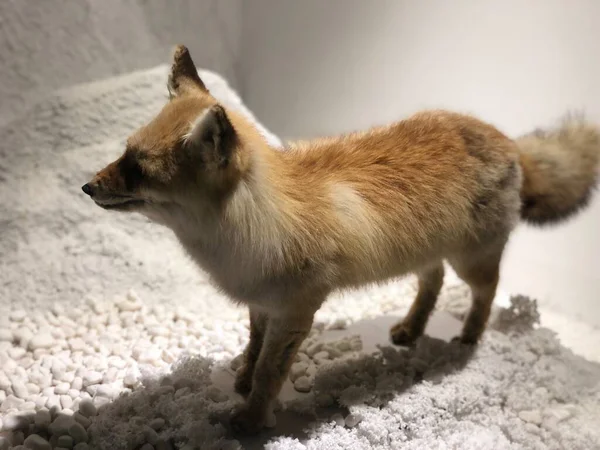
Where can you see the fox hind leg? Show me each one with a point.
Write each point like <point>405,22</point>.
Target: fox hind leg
<point>413,325</point>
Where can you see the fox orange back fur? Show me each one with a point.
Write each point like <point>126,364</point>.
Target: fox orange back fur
<point>280,230</point>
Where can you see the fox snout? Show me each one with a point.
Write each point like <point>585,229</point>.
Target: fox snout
<point>112,189</point>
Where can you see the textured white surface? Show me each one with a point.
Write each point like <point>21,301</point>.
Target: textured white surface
<point>50,44</point>
<point>71,330</point>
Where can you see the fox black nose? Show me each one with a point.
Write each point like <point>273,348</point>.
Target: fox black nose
<point>87,189</point>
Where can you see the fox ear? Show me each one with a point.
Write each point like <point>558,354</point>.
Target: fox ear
<point>213,136</point>
<point>183,77</point>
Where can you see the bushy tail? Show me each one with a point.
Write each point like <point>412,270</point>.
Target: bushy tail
<point>560,170</point>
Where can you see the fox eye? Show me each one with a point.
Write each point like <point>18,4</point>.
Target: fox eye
<point>131,171</point>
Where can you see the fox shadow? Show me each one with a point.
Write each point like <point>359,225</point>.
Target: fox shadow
<point>195,400</point>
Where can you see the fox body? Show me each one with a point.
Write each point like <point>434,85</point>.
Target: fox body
<point>279,230</point>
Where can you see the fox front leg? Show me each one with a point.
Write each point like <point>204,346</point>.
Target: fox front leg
<point>282,338</point>
<point>244,375</point>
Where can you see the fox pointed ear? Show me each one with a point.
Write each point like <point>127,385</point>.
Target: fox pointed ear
<point>213,136</point>
<point>183,77</point>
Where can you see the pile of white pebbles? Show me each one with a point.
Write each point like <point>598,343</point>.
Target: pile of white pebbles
<point>58,367</point>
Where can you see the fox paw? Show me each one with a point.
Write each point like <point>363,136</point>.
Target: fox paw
<point>243,382</point>
<point>402,335</point>
<point>247,422</point>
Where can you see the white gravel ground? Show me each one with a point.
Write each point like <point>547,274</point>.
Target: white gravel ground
<point>109,335</point>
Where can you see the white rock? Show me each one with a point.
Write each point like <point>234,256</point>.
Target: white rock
<point>18,315</point>
<point>16,421</point>
<point>61,425</point>
<point>66,401</point>
<point>313,349</point>
<point>533,416</point>
<point>27,406</point>
<point>78,433</point>
<point>11,402</point>
<point>62,388</point>
<point>53,402</point>
<point>80,418</point>
<point>16,352</point>
<point>42,418</point>
<point>150,435</point>
<point>338,419</point>
<point>303,384</point>
<point>65,441</point>
<point>91,377</point>
<point>6,335</point>
<point>20,390</point>
<point>216,395</point>
<point>33,388</point>
<point>352,420</point>
<point>157,424</point>
<point>36,442</point>
<point>41,340</point>
<point>77,383</point>
<point>298,370</point>
<point>87,408</point>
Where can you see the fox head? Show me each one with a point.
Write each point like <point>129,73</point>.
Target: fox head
<point>190,152</point>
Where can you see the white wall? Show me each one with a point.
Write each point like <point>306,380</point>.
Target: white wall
<point>321,67</point>
<point>49,44</point>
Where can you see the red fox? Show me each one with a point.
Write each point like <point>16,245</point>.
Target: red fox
<point>279,230</point>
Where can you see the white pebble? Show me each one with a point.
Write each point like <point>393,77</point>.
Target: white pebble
<point>87,408</point>
<point>53,402</point>
<point>91,377</point>
<point>302,384</point>
<point>338,419</point>
<point>66,401</point>
<point>77,383</point>
<point>15,421</point>
<point>65,441</point>
<point>150,435</point>
<point>27,406</point>
<point>352,420</point>
<point>80,418</point>
<point>11,402</point>
<point>216,395</point>
<point>41,340</point>
<point>533,416</point>
<point>61,425</point>
<point>298,370</point>
<point>18,315</point>
<point>16,352</point>
<point>43,418</point>
<point>62,388</point>
<point>36,442</point>
<point>20,390</point>
<point>314,349</point>
<point>78,433</point>
<point>157,424</point>
<point>6,335</point>
<point>33,388</point>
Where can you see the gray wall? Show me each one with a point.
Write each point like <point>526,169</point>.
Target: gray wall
<point>49,44</point>
<point>316,67</point>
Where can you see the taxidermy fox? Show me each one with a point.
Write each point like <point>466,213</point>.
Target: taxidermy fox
<point>279,230</point>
